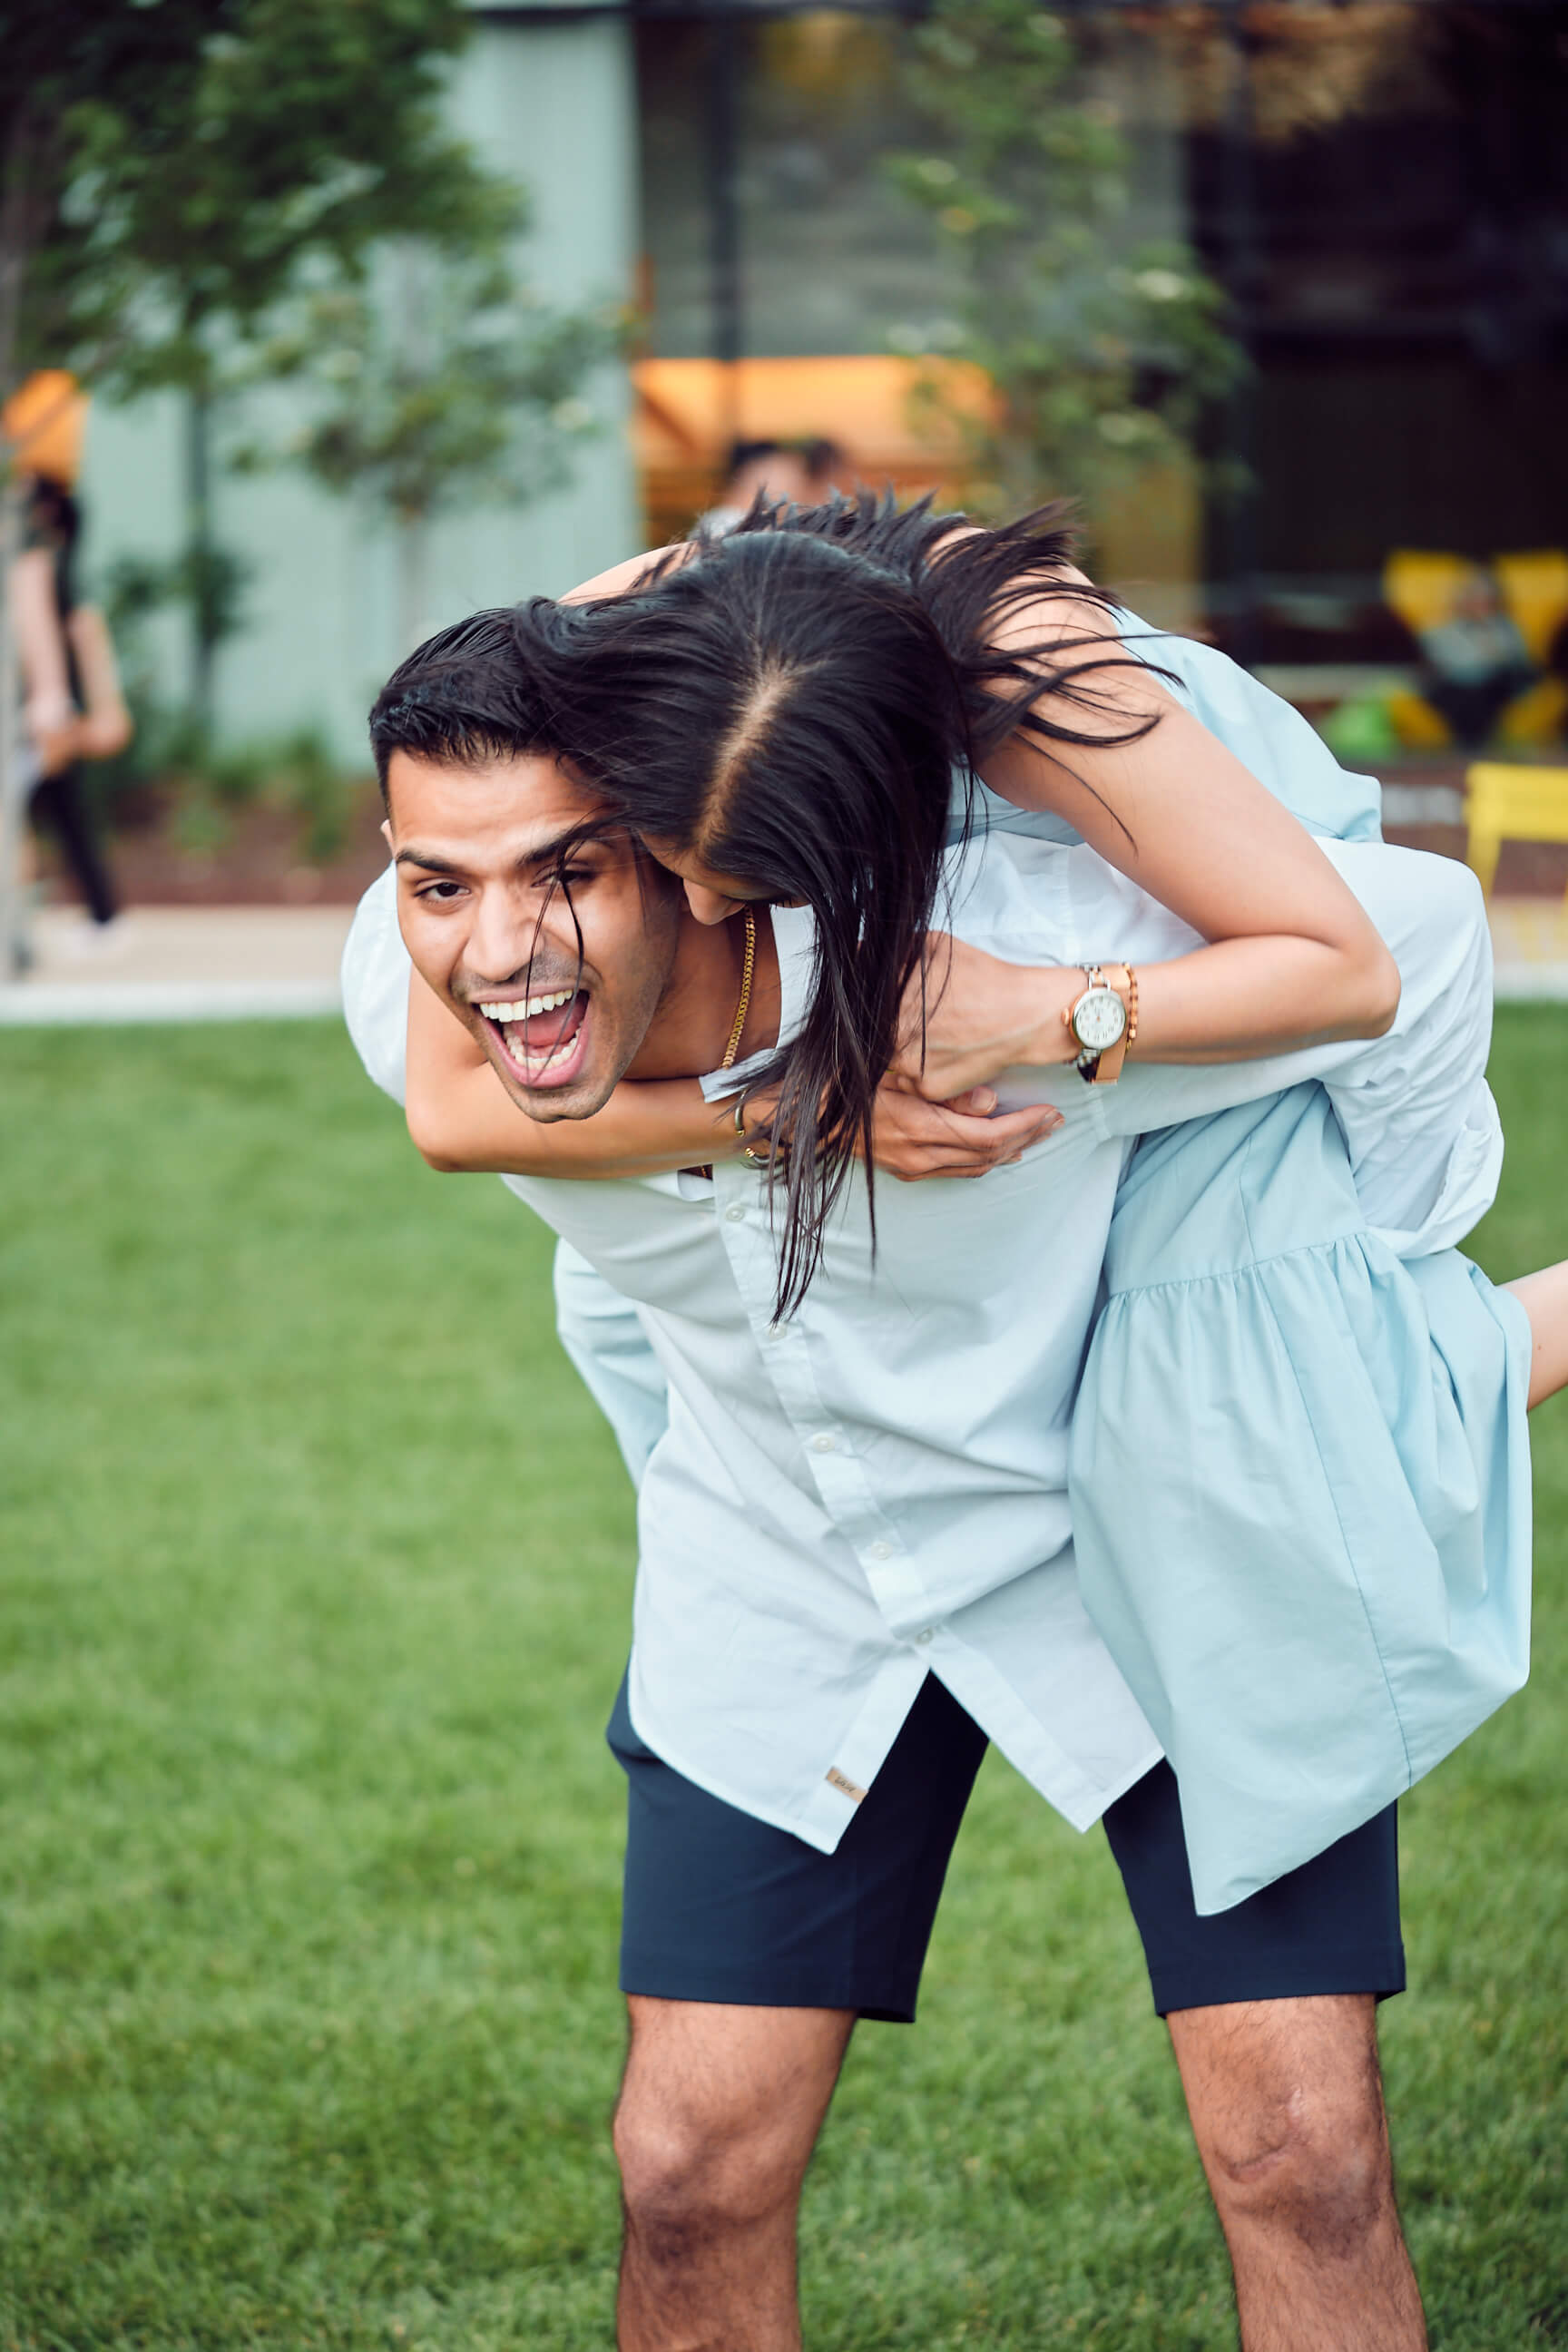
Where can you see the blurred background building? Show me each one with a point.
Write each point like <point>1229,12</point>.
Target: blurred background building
<point>1280,289</point>
<point>1381,191</point>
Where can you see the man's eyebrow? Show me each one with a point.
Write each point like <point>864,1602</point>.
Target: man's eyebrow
<point>549,853</point>
<point>567,844</point>
<point>427,859</point>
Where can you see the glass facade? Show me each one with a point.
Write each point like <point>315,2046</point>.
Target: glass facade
<point>1381,189</point>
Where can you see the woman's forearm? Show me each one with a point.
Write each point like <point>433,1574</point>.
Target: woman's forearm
<point>1242,999</point>
<point>462,1119</point>
<point>645,1128</point>
<point>467,1121</point>
<point>1238,1000</point>
<point>40,644</point>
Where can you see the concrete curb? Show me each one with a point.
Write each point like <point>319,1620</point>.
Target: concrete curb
<point>50,1004</point>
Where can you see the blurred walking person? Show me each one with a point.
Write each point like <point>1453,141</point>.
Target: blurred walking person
<point>71,706</point>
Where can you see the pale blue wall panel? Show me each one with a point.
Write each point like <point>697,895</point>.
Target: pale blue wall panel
<point>554,105</point>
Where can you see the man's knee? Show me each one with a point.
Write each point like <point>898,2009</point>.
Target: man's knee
<point>1287,2110</point>
<point>718,2115</point>
<point>692,2175</point>
<point>1313,2168</point>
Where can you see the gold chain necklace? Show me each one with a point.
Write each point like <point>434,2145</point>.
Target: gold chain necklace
<point>744,1006</point>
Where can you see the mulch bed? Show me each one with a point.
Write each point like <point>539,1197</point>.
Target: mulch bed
<point>260,862</point>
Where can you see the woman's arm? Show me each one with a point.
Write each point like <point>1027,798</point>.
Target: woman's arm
<point>49,712</point>
<point>1292,959</point>
<point>462,1119</point>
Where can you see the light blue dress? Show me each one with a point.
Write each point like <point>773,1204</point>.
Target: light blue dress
<point>1299,1477</point>
<point>1300,1468</point>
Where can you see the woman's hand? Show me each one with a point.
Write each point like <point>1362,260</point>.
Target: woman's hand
<point>981,1017</point>
<point>912,1138</point>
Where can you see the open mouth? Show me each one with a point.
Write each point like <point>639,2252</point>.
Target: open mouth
<point>541,1037</point>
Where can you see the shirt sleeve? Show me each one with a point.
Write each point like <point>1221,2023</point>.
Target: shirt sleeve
<point>376,976</point>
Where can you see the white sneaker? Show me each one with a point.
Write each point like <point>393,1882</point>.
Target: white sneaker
<point>85,942</point>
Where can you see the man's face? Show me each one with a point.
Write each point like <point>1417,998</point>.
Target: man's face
<point>554,958</point>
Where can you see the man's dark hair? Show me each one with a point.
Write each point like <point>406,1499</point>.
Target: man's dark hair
<point>462,697</point>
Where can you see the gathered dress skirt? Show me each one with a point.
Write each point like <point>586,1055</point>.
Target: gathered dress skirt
<point>1300,1475</point>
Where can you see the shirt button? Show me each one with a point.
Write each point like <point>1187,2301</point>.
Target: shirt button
<point>824,1444</point>
<point>736,1214</point>
<point>882,1551</point>
<point>923,1638</point>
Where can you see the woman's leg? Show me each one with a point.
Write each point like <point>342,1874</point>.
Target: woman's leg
<point>1544,1299</point>
<point>61,802</point>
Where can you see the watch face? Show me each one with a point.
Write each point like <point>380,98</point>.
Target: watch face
<point>1099,1019</point>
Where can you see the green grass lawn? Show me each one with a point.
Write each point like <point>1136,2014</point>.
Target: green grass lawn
<point>317,1565</point>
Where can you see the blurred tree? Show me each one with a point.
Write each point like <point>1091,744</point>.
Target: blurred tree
<point>173,167</point>
<point>1102,350</point>
<point>445,384</point>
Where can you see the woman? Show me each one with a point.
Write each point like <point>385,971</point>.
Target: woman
<point>781,717</point>
<point>66,660</point>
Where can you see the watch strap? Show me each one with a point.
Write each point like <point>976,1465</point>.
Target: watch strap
<point>1108,1065</point>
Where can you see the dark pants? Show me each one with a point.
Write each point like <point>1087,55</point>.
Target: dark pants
<point>720,1906</point>
<point>59,804</point>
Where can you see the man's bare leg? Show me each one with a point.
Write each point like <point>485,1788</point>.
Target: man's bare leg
<point>719,2112</point>
<point>1286,2100</point>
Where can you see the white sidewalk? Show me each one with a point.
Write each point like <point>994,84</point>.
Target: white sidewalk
<point>270,963</point>
<point>182,963</point>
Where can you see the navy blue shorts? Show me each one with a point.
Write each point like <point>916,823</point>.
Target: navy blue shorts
<point>721,1907</point>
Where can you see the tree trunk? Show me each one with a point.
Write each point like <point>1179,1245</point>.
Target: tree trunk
<point>199,555</point>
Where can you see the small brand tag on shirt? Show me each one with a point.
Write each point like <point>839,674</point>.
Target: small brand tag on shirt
<point>838,1779</point>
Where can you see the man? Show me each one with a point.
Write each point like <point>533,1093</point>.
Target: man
<point>756,469</point>
<point>855,1553</point>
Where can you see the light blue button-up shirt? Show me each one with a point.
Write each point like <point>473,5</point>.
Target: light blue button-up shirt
<point>879,1488</point>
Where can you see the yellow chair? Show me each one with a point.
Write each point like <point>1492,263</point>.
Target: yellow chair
<point>1421,583</point>
<point>1535,591</point>
<point>1538,715</point>
<point>1418,726</point>
<point>1509,804</point>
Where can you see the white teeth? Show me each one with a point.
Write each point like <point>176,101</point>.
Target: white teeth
<point>525,1012</point>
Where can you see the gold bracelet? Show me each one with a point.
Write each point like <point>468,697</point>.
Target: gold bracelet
<point>748,1151</point>
<point>1131,1008</point>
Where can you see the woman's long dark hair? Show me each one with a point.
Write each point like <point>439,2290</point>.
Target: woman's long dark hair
<point>791,703</point>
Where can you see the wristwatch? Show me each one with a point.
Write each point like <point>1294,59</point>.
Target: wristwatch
<point>1103,1020</point>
